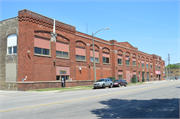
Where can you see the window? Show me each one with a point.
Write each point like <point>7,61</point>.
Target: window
<point>127,60</point>
<point>96,55</point>
<point>119,59</point>
<point>41,46</point>
<point>177,71</point>
<point>134,61</point>
<point>41,51</point>
<point>106,58</point>
<point>156,66</point>
<point>120,74</point>
<point>151,76</point>
<point>80,54</point>
<point>151,66</point>
<point>138,64</point>
<point>171,71</point>
<point>134,73</point>
<point>142,64</point>
<point>147,74</point>
<point>12,44</point>
<point>159,67</point>
<point>147,65</point>
<point>62,50</point>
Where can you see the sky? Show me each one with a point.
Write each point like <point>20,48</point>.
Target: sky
<point>151,25</point>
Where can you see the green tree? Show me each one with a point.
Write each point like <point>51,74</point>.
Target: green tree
<point>173,66</point>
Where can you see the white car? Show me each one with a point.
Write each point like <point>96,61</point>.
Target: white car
<point>106,82</point>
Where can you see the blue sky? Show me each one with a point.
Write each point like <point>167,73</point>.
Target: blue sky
<point>151,25</point>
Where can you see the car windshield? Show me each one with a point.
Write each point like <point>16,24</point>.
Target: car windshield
<point>100,80</point>
<point>116,81</point>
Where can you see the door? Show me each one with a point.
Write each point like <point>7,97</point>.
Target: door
<point>143,76</point>
<point>63,79</point>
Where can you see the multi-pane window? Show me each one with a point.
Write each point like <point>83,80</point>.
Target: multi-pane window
<point>151,65</point>
<point>127,60</point>
<point>41,46</point>
<point>151,75</point>
<point>147,74</point>
<point>134,61</point>
<point>96,55</point>
<point>105,57</point>
<point>134,73</point>
<point>159,67</point>
<point>120,74</point>
<point>80,54</point>
<point>138,63</point>
<point>156,66</point>
<point>12,44</point>
<point>142,64</point>
<point>119,59</point>
<point>62,50</point>
<point>147,65</point>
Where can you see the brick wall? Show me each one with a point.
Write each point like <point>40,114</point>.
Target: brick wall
<point>43,68</point>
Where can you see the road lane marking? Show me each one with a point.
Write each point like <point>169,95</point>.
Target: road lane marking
<point>85,98</point>
<point>118,106</point>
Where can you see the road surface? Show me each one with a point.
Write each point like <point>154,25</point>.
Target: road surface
<point>152,100</point>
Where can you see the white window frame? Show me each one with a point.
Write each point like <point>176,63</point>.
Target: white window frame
<point>11,42</point>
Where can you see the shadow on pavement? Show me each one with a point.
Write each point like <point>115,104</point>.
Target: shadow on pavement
<point>155,108</point>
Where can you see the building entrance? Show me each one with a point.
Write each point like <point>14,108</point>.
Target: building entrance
<point>63,78</point>
<point>143,76</point>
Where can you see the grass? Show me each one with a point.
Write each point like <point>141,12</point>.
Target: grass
<point>139,83</point>
<point>77,88</point>
<point>65,88</point>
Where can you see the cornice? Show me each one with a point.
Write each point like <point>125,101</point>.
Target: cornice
<point>26,15</point>
<point>113,44</point>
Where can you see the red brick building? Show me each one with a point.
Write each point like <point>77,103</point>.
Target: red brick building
<point>46,56</point>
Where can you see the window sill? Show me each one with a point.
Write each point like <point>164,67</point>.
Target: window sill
<point>120,64</point>
<point>62,57</point>
<point>95,62</point>
<point>42,55</point>
<point>134,65</point>
<point>81,61</point>
<point>106,63</point>
<point>11,54</point>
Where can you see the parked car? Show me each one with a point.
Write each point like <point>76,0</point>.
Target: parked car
<point>120,82</point>
<point>106,82</point>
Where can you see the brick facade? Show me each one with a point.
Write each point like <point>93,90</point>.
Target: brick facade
<point>41,70</point>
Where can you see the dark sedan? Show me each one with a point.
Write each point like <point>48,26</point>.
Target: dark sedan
<point>120,82</point>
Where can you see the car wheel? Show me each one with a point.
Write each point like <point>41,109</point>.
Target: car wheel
<point>119,85</point>
<point>110,86</point>
<point>103,86</point>
<point>125,85</point>
<point>94,87</point>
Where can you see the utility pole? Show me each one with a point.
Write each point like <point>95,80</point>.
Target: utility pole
<point>169,65</point>
<point>166,70</point>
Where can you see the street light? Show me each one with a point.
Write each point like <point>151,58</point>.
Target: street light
<point>93,52</point>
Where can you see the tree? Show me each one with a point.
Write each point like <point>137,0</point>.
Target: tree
<point>173,66</point>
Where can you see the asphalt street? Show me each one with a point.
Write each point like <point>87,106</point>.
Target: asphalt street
<point>158,99</point>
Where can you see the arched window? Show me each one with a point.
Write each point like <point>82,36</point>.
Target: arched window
<point>62,50</point>
<point>12,44</point>
<point>41,46</point>
<point>120,54</point>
